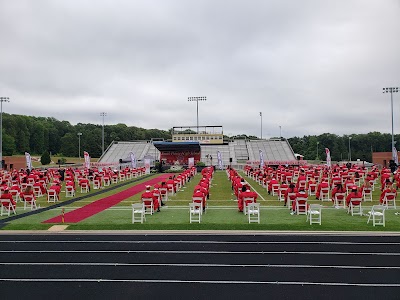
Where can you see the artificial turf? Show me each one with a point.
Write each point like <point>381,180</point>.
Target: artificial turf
<point>222,213</point>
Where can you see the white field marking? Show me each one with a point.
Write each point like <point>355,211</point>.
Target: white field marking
<point>198,242</point>
<point>256,191</point>
<point>116,264</point>
<point>205,252</point>
<point>272,207</point>
<point>48,280</point>
<point>180,207</point>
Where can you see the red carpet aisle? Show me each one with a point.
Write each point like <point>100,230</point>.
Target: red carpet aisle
<point>91,209</point>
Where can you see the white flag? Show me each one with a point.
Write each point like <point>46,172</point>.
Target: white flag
<point>191,162</point>
<point>328,157</point>
<point>219,160</point>
<point>133,160</point>
<point>395,156</point>
<point>147,165</point>
<point>87,159</point>
<point>28,160</point>
<point>261,158</point>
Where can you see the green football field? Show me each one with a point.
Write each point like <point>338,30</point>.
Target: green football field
<point>222,212</point>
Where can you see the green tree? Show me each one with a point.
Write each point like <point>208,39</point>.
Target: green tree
<point>45,158</point>
<point>69,145</point>
<point>8,144</point>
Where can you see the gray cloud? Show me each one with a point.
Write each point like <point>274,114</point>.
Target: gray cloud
<point>310,66</point>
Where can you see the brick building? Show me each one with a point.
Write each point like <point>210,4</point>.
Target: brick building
<point>382,158</point>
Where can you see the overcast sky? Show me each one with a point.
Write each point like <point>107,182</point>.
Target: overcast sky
<point>309,66</point>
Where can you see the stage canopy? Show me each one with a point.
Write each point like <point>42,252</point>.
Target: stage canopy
<point>177,146</point>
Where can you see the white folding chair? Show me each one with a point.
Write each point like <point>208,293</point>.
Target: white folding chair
<point>37,191</point>
<point>163,194</point>
<point>29,200</point>
<point>246,202</point>
<point>302,184</point>
<point>281,195</point>
<point>389,201</point>
<point>377,214</point>
<point>106,181</point>
<point>372,183</point>
<point>301,206</point>
<point>69,191</point>
<point>253,212</point>
<point>312,188</point>
<point>7,207</point>
<point>23,186</point>
<point>355,209</point>
<point>15,195</point>
<point>339,200</point>
<point>122,177</point>
<point>314,214</point>
<point>84,188</point>
<point>96,184</point>
<point>195,212</point>
<point>198,200</point>
<point>148,205</point>
<point>290,198</point>
<point>52,196</point>
<point>170,188</point>
<point>275,189</point>
<point>367,194</point>
<point>138,213</point>
<point>324,194</point>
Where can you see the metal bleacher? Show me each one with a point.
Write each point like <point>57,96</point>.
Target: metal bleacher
<point>240,151</point>
<point>274,150</point>
<point>208,151</point>
<point>121,150</point>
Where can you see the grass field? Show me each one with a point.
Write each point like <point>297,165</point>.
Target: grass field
<point>222,213</point>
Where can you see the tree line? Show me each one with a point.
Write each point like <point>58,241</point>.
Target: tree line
<point>39,134</point>
<point>361,145</point>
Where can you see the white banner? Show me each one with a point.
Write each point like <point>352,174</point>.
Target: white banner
<point>133,160</point>
<point>278,162</point>
<point>28,160</point>
<point>219,156</point>
<point>191,162</point>
<point>395,156</point>
<point>328,157</point>
<point>147,165</point>
<point>87,159</point>
<point>261,158</point>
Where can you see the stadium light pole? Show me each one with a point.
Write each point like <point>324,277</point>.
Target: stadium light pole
<point>349,149</point>
<point>2,99</point>
<point>197,99</point>
<point>391,90</point>
<point>261,123</point>
<point>102,114</point>
<point>317,156</point>
<point>280,131</point>
<point>79,143</point>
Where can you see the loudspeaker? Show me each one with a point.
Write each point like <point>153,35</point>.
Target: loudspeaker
<point>230,159</point>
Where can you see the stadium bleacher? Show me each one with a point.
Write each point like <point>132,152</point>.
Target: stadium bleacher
<point>239,151</point>
<point>121,150</point>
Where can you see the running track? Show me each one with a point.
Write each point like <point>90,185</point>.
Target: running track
<point>199,266</point>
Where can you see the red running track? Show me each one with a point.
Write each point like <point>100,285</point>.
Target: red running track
<point>95,207</point>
